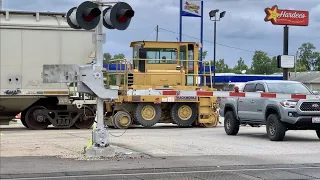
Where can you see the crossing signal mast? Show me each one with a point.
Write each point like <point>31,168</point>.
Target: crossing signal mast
<point>91,15</point>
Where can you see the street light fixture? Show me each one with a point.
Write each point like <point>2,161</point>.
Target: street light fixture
<point>212,14</point>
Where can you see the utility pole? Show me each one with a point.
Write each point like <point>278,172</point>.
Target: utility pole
<point>214,50</point>
<point>0,4</point>
<point>212,14</point>
<point>157,29</point>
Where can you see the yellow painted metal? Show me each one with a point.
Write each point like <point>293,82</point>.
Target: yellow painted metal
<point>108,107</point>
<point>184,112</point>
<point>124,121</point>
<point>178,71</point>
<point>213,122</point>
<point>208,115</point>
<point>148,112</point>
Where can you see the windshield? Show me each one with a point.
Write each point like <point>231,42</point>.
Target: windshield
<point>288,88</point>
<point>167,55</point>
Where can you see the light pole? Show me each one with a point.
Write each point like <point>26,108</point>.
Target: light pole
<point>212,14</point>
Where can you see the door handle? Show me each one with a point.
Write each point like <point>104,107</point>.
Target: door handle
<point>252,101</point>
<point>240,101</point>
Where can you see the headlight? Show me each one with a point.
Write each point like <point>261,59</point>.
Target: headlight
<point>288,104</point>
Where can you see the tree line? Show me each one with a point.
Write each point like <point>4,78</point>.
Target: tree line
<point>308,59</point>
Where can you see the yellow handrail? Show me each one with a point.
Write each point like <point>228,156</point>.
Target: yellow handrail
<point>129,67</point>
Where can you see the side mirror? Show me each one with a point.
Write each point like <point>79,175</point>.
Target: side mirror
<point>316,92</point>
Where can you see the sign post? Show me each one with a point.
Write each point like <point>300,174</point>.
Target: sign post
<point>193,8</point>
<point>286,18</point>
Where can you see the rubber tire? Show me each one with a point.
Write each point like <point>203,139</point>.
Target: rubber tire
<point>234,124</point>
<point>280,128</point>
<point>318,133</point>
<point>141,120</point>
<point>179,121</point>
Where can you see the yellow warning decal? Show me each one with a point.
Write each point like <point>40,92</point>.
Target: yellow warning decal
<point>90,141</point>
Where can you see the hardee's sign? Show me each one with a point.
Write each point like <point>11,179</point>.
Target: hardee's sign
<point>286,17</point>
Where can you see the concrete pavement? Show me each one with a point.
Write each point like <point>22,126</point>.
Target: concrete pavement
<point>54,152</point>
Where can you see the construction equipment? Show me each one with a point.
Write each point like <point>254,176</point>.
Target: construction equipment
<point>161,85</point>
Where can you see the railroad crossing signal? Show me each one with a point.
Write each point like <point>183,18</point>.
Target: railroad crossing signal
<point>87,16</point>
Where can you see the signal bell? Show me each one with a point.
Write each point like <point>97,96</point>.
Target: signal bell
<point>118,16</point>
<point>85,16</point>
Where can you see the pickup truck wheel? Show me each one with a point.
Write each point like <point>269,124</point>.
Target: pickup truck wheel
<point>276,130</point>
<point>318,133</point>
<point>231,124</point>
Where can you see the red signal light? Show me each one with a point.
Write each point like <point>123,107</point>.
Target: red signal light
<point>124,14</point>
<point>85,16</point>
<point>93,13</point>
<point>122,19</point>
<point>88,18</point>
<point>118,16</point>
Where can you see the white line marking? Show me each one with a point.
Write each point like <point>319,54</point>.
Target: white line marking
<point>163,173</point>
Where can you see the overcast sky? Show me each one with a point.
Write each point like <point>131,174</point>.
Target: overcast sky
<point>239,33</point>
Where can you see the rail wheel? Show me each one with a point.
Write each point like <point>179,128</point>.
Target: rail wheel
<point>122,120</point>
<point>36,118</point>
<point>184,114</point>
<point>148,114</point>
<point>85,120</point>
<point>23,119</point>
<point>215,121</point>
<point>318,133</point>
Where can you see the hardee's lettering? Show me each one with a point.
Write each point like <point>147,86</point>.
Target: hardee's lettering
<point>286,17</point>
<point>291,15</point>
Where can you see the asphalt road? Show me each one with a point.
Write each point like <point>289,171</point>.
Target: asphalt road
<point>142,172</point>
<point>162,152</point>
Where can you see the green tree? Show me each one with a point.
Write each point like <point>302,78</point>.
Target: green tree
<point>221,67</point>
<point>118,56</point>
<point>316,61</point>
<point>204,54</point>
<point>108,59</point>
<point>307,56</point>
<point>240,67</point>
<point>274,65</point>
<point>261,63</point>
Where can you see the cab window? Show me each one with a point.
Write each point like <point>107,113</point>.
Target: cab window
<point>183,56</point>
<point>135,55</point>
<point>163,55</point>
<point>260,87</point>
<point>135,52</point>
<point>190,58</point>
<point>249,88</point>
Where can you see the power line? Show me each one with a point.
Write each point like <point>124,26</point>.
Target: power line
<point>149,34</point>
<point>209,41</point>
<point>232,47</point>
